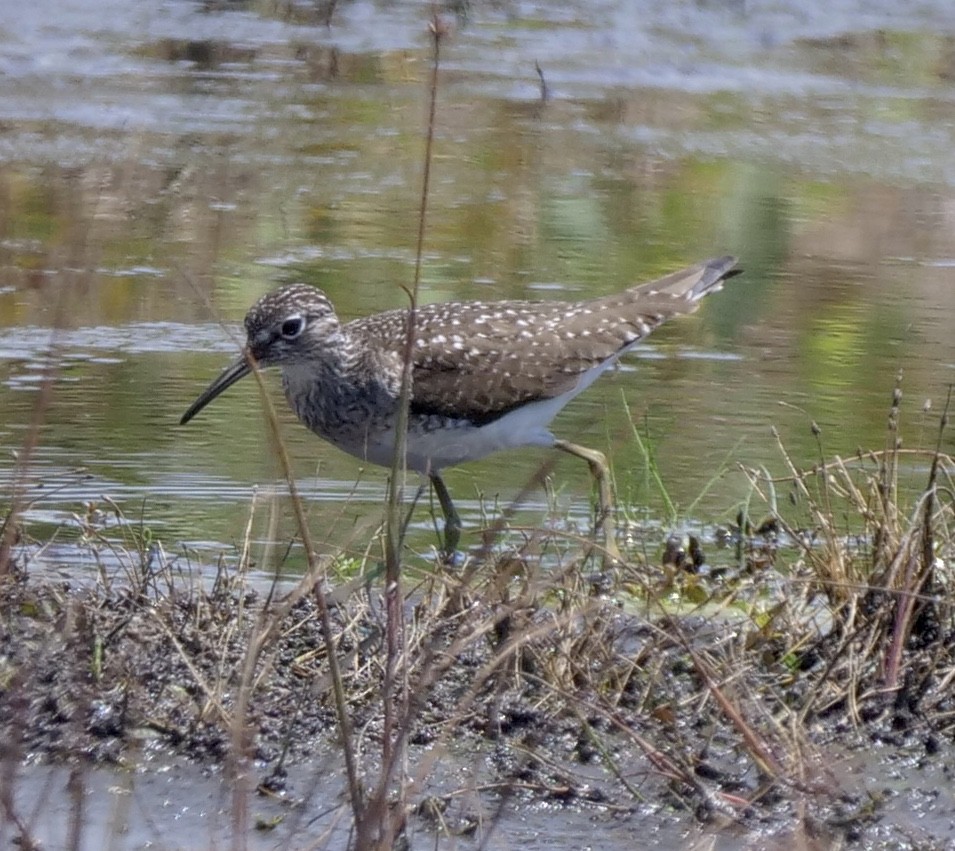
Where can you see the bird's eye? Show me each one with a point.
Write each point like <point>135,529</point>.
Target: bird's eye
<point>292,327</point>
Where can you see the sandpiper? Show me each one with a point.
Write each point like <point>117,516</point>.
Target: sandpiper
<point>486,376</point>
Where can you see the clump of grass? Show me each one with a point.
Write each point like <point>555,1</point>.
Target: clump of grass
<point>640,684</point>
<point>870,560</point>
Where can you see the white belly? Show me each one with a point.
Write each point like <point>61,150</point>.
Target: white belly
<point>435,450</point>
<point>430,450</point>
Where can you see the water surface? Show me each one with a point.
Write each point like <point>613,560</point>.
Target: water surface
<point>163,165</point>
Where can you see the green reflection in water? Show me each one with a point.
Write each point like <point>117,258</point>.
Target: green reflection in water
<point>315,175</point>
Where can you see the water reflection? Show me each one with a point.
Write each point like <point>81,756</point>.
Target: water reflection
<point>159,170</point>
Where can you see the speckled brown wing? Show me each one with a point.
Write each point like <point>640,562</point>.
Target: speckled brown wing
<point>480,360</point>
<point>505,356</point>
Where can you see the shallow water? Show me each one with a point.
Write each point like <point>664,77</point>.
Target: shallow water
<point>162,166</point>
<point>178,805</point>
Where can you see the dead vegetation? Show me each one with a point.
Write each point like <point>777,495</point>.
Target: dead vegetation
<point>720,689</point>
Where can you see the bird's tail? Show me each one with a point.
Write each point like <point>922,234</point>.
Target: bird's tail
<point>693,282</point>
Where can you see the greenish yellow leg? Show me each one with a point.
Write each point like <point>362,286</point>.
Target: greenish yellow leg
<point>452,523</point>
<point>597,462</point>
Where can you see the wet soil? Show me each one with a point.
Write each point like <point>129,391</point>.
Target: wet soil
<point>522,705</point>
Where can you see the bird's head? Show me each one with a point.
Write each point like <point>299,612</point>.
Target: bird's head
<point>290,325</point>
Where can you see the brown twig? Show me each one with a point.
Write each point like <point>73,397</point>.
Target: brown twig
<point>375,829</point>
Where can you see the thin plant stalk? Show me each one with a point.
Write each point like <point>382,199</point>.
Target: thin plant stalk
<point>316,572</point>
<point>392,748</point>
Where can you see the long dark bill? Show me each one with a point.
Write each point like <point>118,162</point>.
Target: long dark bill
<point>233,373</point>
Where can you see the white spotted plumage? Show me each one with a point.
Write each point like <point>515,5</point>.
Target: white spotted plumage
<point>485,376</point>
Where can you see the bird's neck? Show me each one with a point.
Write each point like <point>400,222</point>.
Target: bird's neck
<point>335,380</point>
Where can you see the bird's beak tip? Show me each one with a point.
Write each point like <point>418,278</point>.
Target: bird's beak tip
<point>229,377</point>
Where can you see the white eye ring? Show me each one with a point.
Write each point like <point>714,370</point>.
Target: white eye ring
<point>292,327</point>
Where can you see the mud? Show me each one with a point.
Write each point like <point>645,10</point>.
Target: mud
<point>121,702</point>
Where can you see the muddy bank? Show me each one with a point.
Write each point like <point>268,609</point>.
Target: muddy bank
<point>553,698</point>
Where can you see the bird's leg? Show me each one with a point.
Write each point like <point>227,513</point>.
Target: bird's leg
<point>452,523</point>
<point>597,462</point>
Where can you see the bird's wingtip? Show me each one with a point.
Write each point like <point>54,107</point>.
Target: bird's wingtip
<point>714,272</point>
